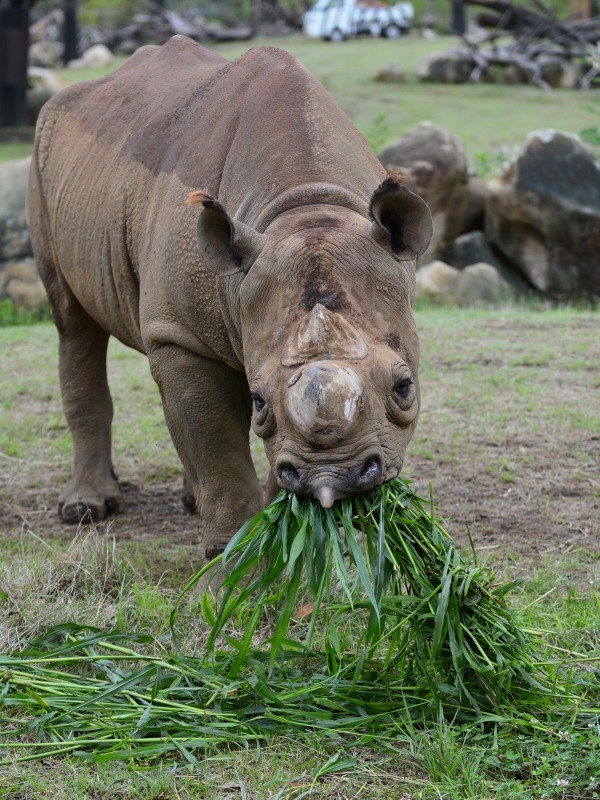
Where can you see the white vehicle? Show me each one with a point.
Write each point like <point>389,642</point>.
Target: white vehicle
<point>336,20</point>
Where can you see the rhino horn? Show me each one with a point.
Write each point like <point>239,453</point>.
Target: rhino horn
<point>325,400</point>
<point>403,216</point>
<point>226,245</point>
<point>324,334</point>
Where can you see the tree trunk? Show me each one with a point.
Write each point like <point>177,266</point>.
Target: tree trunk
<point>70,31</point>
<point>14,46</point>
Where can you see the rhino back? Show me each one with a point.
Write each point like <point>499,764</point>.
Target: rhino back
<point>116,158</point>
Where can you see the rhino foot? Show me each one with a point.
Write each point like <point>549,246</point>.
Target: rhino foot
<point>88,505</point>
<point>213,552</point>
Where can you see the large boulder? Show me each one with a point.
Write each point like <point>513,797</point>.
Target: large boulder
<point>96,56</point>
<point>14,236</point>
<point>479,284</point>
<point>21,284</point>
<point>474,248</point>
<point>435,163</point>
<point>40,78</point>
<point>454,66</point>
<point>390,73</point>
<point>543,214</point>
<point>19,281</point>
<point>47,55</point>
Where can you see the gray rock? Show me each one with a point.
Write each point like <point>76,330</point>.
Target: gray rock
<point>573,72</point>
<point>479,284</point>
<point>482,284</point>
<point>552,68</point>
<point>473,248</point>
<point>21,284</point>
<point>48,28</point>
<point>98,55</point>
<point>543,214</point>
<point>40,78</point>
<point>435,163</point>
<point>455,66</point>
<point>391,73</point>
<point>474,209</point>
<point>14,236</point>
<point>45,54</point>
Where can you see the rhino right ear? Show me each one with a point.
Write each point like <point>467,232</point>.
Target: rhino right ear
<point>403,216</point>
<point>226,245</point>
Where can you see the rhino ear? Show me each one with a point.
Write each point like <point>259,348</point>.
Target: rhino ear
<point>226,245</point>
<point>403,215</point>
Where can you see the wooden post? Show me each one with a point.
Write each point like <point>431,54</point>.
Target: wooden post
<point>70,31</point>
<point>14,46</point>
<point>457,24</point>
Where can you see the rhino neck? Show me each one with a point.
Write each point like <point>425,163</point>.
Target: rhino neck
<point>307,195</point>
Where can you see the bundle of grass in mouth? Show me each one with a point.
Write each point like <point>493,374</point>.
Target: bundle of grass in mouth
<point>385,593</point>
<point>389,626</point>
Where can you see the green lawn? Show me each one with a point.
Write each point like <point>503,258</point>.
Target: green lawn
<point>507,439</point>
<point>491,119</point>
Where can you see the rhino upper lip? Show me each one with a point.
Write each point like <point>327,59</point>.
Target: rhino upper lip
<point>344,480</point>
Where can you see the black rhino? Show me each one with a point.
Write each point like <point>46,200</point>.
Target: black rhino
<point>278,296</point>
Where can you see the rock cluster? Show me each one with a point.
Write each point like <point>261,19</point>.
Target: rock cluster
<point>464,65</point>
<point>123,33</point>
<point>536,228</point>
<point>19,281</point>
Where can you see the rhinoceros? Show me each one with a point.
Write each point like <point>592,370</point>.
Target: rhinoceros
<point>227,220</point>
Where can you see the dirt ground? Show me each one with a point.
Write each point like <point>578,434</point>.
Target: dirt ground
<point>502,454</point>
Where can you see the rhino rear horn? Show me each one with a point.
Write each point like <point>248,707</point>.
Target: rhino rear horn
<point>226,245</point>
<point>403,215</point>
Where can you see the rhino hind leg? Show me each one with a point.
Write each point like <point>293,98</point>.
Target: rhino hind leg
<point>92,493</point>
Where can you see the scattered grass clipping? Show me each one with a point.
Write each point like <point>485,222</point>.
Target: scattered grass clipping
<point>353,620</point>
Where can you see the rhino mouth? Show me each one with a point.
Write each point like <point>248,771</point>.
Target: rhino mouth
<point>331,482</point>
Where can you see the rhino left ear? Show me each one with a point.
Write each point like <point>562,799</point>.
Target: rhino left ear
<point>226,245</point>
<point>403,215</point>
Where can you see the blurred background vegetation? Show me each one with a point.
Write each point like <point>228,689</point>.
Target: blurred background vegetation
<point>435,12</point>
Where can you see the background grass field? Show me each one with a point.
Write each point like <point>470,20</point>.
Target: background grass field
<point>508,439</point>
<point>491,119</point>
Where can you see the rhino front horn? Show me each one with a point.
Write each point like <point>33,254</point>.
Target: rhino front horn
<point>324,334</point>
<point>324,401</point>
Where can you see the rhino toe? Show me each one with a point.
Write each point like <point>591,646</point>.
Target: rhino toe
<point>80,511</point>
<point>73,512</point>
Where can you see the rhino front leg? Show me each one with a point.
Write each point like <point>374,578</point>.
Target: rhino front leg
<point>207,408</point>
<point>93,491</point>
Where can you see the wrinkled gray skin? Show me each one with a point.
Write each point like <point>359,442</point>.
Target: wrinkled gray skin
<point>279,295</point>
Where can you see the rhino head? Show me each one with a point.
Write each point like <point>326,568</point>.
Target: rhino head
<point>320,308</point>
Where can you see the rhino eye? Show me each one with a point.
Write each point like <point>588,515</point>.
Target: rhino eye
<point>402,388</point>
<point>263,418</point>
<point>258,402</point>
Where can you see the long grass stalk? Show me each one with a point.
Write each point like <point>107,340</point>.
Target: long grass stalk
<point>397,628</point>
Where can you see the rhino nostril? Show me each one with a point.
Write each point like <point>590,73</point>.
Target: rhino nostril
<point>371,472</point>
<point>289,475</point>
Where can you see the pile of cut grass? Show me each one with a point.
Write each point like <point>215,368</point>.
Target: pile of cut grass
<point>351,620</point>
